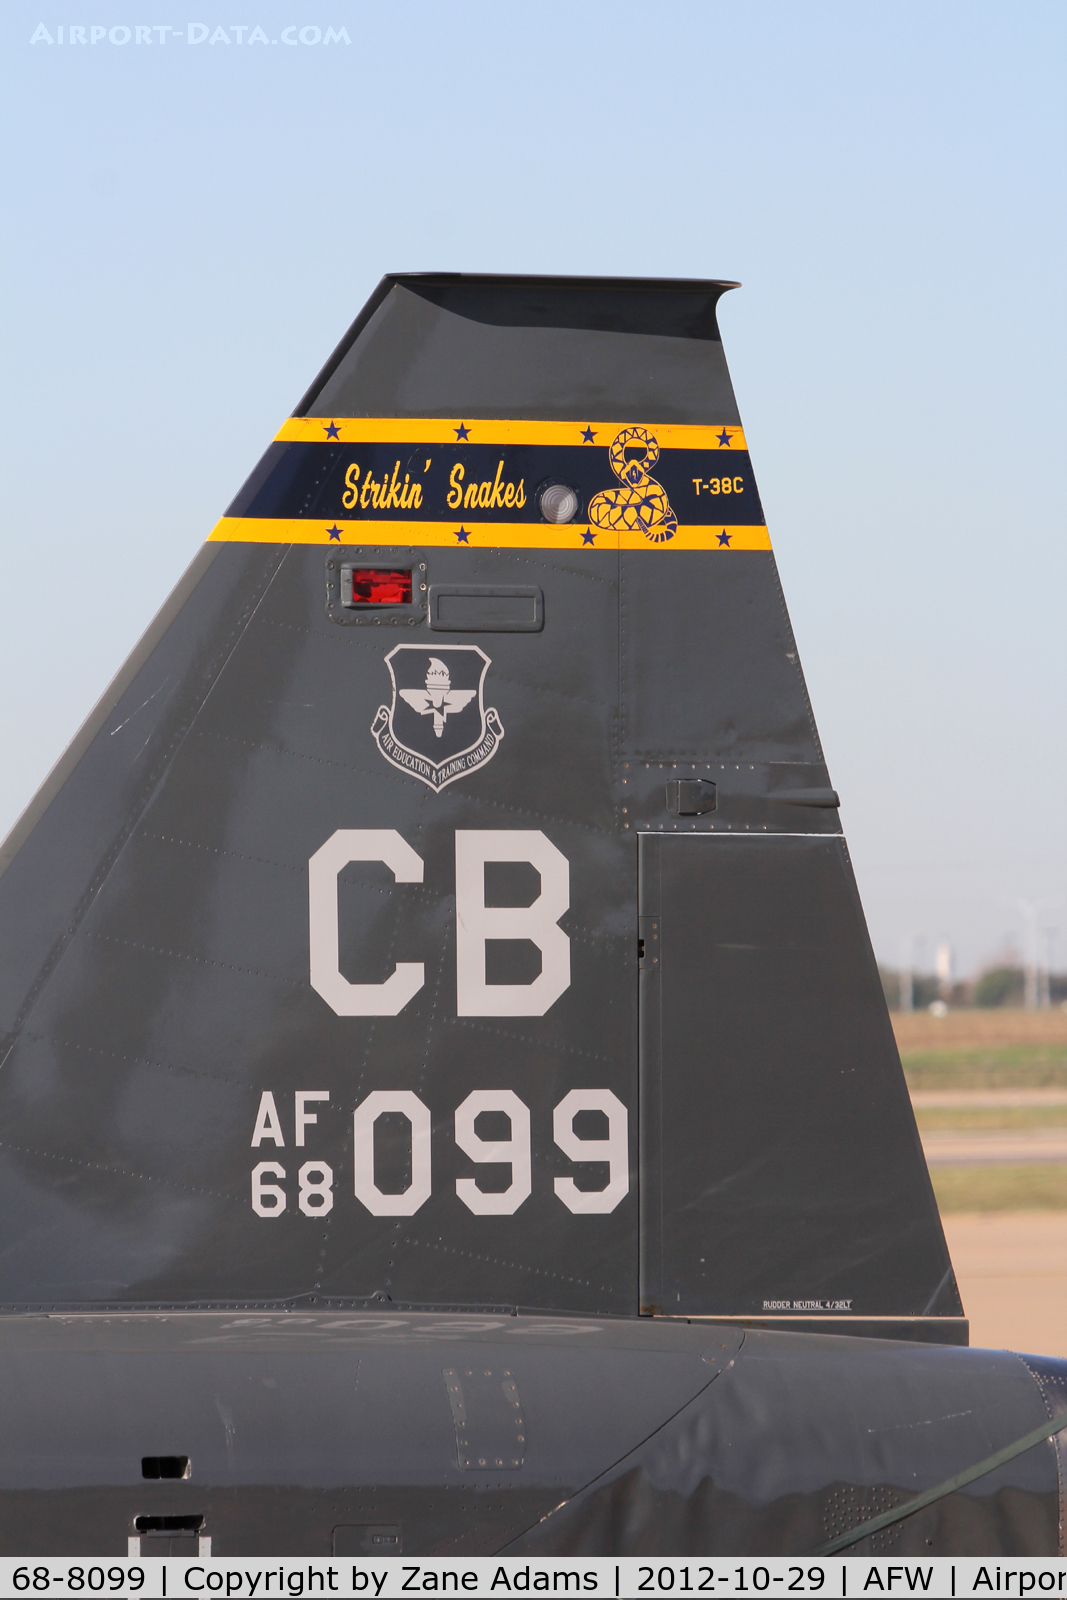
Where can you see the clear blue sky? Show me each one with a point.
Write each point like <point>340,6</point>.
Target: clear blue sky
<point>191,226</point>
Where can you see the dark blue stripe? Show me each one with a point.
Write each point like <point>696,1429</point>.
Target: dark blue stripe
<point>308,480</point>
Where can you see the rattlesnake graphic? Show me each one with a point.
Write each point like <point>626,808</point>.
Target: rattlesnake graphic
<point>641,504</point>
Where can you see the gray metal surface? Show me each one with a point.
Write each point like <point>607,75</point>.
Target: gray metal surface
<point>803,1439</point>
<point>442,344</point>
<point>643,1436</point>
<point>636,1056</point>
<point>800,1097</point>
<point>295,1424</point>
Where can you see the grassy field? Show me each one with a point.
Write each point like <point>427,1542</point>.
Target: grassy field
<point>988,1119</point>
<point>999,1049</point>
<point>1002,1186</point>
<point>1005,1221</point>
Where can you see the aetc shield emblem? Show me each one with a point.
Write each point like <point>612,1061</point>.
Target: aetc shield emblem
<point>437,727</point>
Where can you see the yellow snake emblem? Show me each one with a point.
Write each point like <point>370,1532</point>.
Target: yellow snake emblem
<point>641,504</point>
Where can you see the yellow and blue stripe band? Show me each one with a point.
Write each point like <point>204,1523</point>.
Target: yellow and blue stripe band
<point>483,535</point>
<point>411,482</point>
<point>500,431</point>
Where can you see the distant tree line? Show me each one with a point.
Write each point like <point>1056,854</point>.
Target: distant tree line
<point>997,986</point>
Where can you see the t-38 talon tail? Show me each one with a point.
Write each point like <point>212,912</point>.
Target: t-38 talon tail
<point>447,1099</point>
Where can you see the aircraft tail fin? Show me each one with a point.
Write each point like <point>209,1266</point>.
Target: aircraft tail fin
<point>448,905</point>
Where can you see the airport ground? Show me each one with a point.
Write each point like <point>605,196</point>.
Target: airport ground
<point>990,1095</point>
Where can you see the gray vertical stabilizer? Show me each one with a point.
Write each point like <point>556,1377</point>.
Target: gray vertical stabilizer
<point>447,905</point>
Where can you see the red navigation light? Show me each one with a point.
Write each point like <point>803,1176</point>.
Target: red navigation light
<point>380,586</point>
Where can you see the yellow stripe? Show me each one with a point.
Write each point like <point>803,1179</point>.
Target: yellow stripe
<point>694,536</point>
<point>480,535</point>
<point>436,430</point>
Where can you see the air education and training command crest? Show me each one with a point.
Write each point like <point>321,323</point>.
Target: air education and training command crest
<point>437,728</point>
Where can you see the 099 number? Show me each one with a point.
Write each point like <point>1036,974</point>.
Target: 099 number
<point>315,1179</point>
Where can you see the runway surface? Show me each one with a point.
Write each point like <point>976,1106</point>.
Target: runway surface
<point>990,1095</point>
<point>965,1149</point>
<point>1012,1272</point>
